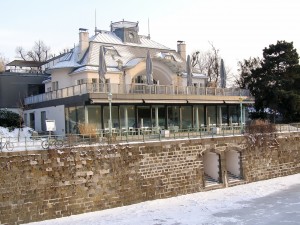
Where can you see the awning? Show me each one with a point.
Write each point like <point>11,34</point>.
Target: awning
<point>248,102</point>
<point>95,101</point>
<point>167,101</point>
<point>238,102</point>
<point>232,102</point>
<point>206,102</point>
<point>23,63</point>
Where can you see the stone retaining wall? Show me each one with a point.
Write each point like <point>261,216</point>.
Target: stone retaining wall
<point>40,185</point>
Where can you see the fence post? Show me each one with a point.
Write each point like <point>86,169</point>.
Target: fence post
<point>25,143</point>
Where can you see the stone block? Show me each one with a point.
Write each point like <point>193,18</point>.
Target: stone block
<point>32,162</point>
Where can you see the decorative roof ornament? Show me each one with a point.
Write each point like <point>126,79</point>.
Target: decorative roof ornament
<point>102,65</point>
<point>223,74</point>
<point>149,69</point>
<point>189,71</point>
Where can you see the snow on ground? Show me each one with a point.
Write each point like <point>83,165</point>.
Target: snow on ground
<point>24,132</point>
<point>192,209</point>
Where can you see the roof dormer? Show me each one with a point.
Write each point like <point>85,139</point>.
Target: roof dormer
<point>126,31</point>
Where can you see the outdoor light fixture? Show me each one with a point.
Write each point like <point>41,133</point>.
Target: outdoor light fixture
<point>241,114</point>
<point>109,96</point>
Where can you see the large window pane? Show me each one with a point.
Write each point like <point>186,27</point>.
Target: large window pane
<point>43,120</point>
<point>143,116</point>
<point>234,113</point>
<point>71,120</point>
<point>173,116</point>
<point>94,116</point>
<point>130,116</point>
<point>186,117</point>
<point>161,116</point>
<point>222,115</point>
<point>80,115</point>
<point>211,115</point>
<point>200,110</point>
<point>114,116</point>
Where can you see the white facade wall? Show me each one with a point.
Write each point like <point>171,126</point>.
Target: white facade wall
<point>211,165</point>
<point>56,113</point>
<point>233,162</point>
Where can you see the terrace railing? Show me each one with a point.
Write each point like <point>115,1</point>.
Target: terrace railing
<point>145,134</point>
<point>137,89</point>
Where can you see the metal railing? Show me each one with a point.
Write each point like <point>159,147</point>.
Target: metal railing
<point>134,89</point>
<point>118,136</point>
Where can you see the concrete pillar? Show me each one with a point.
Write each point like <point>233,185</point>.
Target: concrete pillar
<point>197,117</point>
<point>244,115</point>
<point>156,117</point>
<point>220,115</point>
<point>223,172</point>
<point>126,118</point>
<point>86,115</point>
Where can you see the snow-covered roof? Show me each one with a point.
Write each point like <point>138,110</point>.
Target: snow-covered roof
<point>118,53</point>
<point>68,60</point>
<point>107,37</point>
<point>94,69</point>
<point>195,75</point>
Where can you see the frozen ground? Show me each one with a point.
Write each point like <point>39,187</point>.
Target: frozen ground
<point>275,201</point>
<point>22,133</point>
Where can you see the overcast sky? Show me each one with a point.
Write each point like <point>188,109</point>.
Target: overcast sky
<point>238,28</point>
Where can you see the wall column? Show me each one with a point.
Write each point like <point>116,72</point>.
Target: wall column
<point>220,115</point>
<point>197,117</point>
<point>156,118</point>
<point>126,118</point>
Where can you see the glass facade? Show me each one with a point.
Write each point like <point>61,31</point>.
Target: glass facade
<point>167,117</point>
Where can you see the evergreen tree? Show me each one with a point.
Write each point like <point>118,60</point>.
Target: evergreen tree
<point>274,81</point>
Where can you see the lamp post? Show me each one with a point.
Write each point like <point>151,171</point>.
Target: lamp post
<point>241,114</point>
<point>109,96</point>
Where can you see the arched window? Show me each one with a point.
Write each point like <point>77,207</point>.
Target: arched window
<point>141,79</point>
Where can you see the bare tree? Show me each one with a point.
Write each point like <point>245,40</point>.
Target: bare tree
<point>208,63</point>
<point>40,52</point>
<point>3,61</point>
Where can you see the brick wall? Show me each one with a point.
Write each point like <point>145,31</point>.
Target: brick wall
<point>39,185</point>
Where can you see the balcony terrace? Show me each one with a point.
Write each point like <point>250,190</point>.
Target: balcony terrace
<point>140,91</point>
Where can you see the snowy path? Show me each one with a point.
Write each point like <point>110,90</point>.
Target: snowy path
<point>256,203</point>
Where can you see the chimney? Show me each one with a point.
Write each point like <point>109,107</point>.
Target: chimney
<point>181,49</point>
<point>83,42</point>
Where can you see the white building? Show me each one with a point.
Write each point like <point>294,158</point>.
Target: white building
<point>75,94</point>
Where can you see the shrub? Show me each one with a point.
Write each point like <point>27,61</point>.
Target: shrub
<point>88,130</point>
<point>260,126</point>
<point>10,119</point>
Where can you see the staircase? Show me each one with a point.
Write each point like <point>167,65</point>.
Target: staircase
<point>209,181</point>
<point>234,179</point>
